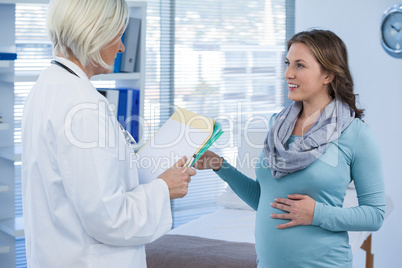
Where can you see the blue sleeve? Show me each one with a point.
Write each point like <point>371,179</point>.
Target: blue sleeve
<point>366,171</point>
<point>246,188</point>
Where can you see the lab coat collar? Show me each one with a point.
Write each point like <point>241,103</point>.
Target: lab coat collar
<point>74,67</point>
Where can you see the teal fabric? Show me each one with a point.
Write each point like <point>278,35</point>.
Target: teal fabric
<point>354,156</point>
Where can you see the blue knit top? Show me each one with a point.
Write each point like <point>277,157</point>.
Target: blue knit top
<point>354,156</point>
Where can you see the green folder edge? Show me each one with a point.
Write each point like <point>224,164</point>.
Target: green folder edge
<point>215,135</point>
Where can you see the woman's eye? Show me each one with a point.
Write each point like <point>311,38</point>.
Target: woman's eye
<point>300,65</point>
<point>287,63</point>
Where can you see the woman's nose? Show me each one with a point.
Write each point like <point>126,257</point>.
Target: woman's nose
<point>289,73</point>
<point>121,48</point>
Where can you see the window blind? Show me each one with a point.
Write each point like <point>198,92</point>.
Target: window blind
<point>222,59</point>
<point>34,53</point>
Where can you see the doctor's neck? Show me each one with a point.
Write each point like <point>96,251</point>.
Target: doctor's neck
<point>88,70</point>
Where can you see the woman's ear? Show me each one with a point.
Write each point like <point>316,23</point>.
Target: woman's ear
<point>329,78</point>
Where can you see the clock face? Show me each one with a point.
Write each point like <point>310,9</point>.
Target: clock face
<point>392,31</point>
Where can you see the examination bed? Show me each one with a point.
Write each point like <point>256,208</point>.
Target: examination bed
<point>224,238</point>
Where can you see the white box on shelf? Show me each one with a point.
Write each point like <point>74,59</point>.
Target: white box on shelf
<point>4,249</point>
<point>116,76</point>
<point>131,40</point>
<point>4,188</point>
<point>12,153</point>
<point>13,227</point>
<point>4,64</point>
<point>4,126</point>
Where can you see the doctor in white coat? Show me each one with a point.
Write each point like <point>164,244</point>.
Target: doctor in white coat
<point>83,204</point>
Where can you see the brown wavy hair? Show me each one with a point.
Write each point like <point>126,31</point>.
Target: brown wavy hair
<point>331,53</point>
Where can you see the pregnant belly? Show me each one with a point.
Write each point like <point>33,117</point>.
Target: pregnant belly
<point>299,246</point>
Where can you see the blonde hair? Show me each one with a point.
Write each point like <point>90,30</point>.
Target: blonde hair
<point>81,28</point>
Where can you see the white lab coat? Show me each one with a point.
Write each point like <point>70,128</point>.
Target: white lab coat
<point>83,204</point>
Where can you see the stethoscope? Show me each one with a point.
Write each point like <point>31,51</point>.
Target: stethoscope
<point>130,141</point>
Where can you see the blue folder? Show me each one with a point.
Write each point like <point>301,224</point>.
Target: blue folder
<point>117,61</point>
<point>127,116</point>
<point>8,56</point>
<point>129,122</point>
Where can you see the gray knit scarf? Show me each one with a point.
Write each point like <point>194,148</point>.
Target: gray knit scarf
<point>335,118</point>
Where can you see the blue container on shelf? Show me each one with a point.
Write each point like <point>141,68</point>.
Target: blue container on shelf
<point>8,56</point>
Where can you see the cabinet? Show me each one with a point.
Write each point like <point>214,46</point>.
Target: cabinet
<point>7,43</point>
<point>11,227</point>
<point>135,80</point>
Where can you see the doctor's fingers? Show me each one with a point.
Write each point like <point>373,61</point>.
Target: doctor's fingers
<point>181,162</point>
<point>179,192</point>
<point>189,171</point>
<point>184,174</point>
<point>184,186</point>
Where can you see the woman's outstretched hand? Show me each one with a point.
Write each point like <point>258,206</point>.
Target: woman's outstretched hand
<point>209,160</point>
<point>299,208</point>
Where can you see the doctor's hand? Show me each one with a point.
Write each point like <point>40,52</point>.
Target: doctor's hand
<point>299,210</point>
<point>209,160</point>
<point>177,178</point>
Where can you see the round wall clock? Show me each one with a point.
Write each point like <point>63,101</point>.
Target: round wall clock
<point>391,31</point>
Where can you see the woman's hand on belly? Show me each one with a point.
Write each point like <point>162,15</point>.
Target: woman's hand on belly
<point>299,208</point>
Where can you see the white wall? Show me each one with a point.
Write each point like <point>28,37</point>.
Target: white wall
<point>378,80</point>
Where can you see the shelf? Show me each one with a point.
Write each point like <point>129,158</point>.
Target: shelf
<point>4,248</point>
<point>12,153</point>
<point>116,76</point>
<point>7,57</point>
<point>13,227</point>
<point>29,77</point>
<point>130,2</point>
<point>24,1</point>
<point>4,126</point>
<point>4,188</point>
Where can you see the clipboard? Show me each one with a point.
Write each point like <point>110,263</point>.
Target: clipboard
<point>184,134</point>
